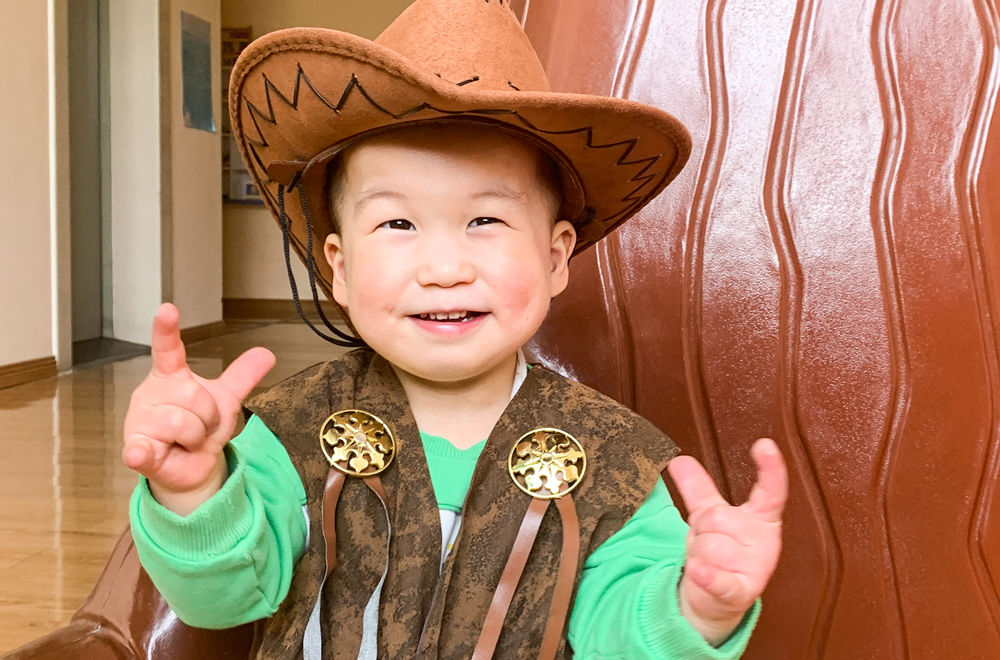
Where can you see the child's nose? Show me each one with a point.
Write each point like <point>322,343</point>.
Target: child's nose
<point>445,262</point>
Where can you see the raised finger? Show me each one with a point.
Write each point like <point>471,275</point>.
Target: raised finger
<point>767,499</point>
<point>694,484</point>
<point>167,348</point>
<point>247,371</point>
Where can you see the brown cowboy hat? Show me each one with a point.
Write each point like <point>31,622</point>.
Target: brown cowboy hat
<point>300,96</point>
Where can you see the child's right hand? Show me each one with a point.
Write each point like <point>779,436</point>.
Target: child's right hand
<point>178,423</point>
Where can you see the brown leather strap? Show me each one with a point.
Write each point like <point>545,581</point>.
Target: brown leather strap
<point>375,484</point>
<point>563,592</point>
<point>508,581</point>
<point>331,495</point>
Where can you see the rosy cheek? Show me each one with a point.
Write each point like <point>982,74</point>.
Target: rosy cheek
<point>375,283</point>
<point>519,292</point>
<point>522,290</point>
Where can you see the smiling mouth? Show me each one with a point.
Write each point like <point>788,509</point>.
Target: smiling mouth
<point>449,317</point>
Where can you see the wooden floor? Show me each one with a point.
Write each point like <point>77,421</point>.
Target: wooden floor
<point>63,488</point>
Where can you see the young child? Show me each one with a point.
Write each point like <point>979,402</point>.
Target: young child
<point>395,502</point>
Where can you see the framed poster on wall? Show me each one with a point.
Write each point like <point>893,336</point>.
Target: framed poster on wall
<point>196,72</point>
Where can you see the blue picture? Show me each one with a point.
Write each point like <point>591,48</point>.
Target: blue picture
<point>196,67</point>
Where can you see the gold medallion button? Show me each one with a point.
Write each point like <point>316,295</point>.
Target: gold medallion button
<point>547,463</point>
<point>357,443</point>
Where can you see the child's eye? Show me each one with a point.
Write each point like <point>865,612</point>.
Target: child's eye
<point>479,222</point>
<point>405,225</point>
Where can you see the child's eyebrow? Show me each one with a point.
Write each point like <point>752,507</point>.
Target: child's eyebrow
<point>498,192</point>
<point>371,195</point>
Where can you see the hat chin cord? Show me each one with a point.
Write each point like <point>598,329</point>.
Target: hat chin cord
<point>340,337</point>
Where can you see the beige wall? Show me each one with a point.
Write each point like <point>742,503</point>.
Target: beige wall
<point>253,263</point>
<point>196,186</point>
<point>25,212</point>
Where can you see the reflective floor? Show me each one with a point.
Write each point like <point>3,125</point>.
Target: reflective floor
<point>63,489</point>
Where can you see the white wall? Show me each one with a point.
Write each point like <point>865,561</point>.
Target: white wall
<point>135,166</point>
<point>59,185</point>
<point>25,212</point>
<point>254,266</point>
<point>196,185</point>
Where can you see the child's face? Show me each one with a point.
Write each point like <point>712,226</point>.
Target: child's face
<point>447,256</point>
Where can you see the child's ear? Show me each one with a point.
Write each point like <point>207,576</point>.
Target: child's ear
<point>563,242</point>
<point>334,250</point>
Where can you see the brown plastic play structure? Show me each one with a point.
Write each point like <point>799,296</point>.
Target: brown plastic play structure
<point>826,271</point>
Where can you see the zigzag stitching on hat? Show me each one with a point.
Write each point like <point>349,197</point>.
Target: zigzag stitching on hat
<point>293,103</point>
<point>634,196</point>
<point>270,118</point>
<point>640,177</point>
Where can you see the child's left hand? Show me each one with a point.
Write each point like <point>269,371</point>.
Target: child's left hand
<point>731,550</point>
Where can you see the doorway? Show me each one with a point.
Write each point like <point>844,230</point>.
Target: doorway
<point>90,186</point>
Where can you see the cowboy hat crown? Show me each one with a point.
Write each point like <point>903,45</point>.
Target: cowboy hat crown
<point>482,44</point>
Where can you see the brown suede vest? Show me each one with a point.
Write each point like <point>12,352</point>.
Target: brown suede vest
<point>427,611</point>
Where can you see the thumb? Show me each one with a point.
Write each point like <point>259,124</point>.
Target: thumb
<point>247,371</point>
<point>767,499</point>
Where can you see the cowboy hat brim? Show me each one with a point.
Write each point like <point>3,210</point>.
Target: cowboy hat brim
<point>298,96</point>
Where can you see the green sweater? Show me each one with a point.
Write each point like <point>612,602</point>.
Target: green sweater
<point>231,561</point>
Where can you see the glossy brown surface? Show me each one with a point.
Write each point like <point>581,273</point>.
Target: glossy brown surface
<point>825,272</point>
<point>125,617</point>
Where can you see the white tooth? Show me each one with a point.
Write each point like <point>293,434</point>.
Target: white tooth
<point>439,317</point>
<point>423,316</point>
<point>454,315</point>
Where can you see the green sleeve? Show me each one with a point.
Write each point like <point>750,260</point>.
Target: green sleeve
<point>231,560</point>
<point>626,604</point>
